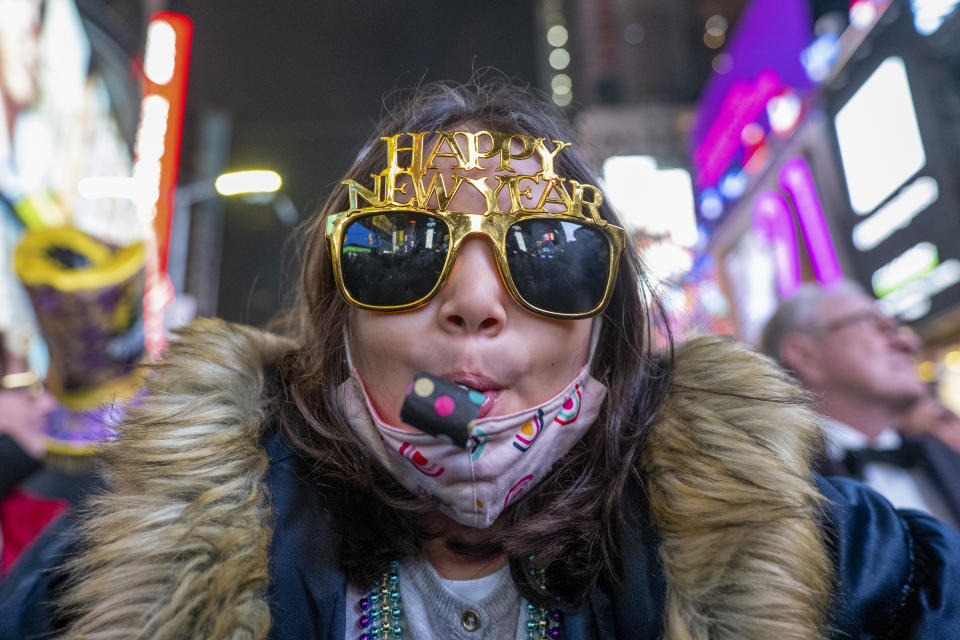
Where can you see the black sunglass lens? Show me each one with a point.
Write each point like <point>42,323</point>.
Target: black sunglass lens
<point>392,259</point>
<point>558,265</point>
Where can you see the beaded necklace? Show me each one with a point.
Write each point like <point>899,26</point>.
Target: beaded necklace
<point>381,610</point>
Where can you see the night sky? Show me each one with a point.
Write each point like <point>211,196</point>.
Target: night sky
<point>303,82</point>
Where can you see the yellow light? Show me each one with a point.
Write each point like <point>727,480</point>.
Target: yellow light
<point>562,99</point>
<point>557,35</point>
<point>953,360</point>
<point>714,41</point>
<point>561,83</point>
<point>927,371</point>
<point>559,59</point>
<point>238,182</point>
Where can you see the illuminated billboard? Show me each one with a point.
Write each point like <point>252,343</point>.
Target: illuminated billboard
<point>879,136</point>
<point>897,149</point>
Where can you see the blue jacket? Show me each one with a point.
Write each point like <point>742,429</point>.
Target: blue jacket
<point>898,573</point>
<point>214,529</point>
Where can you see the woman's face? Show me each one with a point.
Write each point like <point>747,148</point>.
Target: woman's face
<point>472,332</point>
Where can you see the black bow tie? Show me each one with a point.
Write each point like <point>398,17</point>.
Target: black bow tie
<point>909,455</point>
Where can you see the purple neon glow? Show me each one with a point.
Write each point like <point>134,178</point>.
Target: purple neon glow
<point>770,35</point>
<point>796,180</point>
<point>773,224</point>
<point>746,101</point>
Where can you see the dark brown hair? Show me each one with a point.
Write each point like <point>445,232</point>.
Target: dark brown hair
<point>571,522</point>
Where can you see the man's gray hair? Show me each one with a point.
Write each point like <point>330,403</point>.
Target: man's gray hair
<point>801,312</point>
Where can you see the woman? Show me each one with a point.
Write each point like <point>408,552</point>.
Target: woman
<point>275,488</point>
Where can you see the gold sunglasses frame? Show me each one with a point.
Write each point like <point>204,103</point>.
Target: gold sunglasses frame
<point>462,225</point>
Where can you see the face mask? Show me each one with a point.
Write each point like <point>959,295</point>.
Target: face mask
<point>506,456</point>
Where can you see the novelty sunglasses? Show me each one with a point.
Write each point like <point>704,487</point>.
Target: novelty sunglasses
<point>397,258</point>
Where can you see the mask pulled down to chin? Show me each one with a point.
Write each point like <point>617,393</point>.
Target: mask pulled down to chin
<point>505,457</point>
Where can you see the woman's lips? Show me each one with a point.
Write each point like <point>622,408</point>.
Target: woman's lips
<point>490,388</point>
<point>489,399</point>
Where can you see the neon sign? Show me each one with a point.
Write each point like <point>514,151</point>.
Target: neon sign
<point>882,106</point>
<point>897,214</point>
<point>746,101</point>
<point>913,263</point>
<point>157,149</point>
<point>796,180</point>
<point>774,224</point>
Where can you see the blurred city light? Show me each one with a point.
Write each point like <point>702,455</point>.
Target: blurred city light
<point>667,261</point>
<point>773,225</point>
<point>882,106</point>
<point>557,35</point>
<point>929,15</point>
<point>714,40</point>
<point>927,371</point>
<point>784,112</point>
<point>733,184</point>
<point>559,59</point>
<point>656,200</point>
<point>797,180</point>
<point>896,214</point>
<point>953,360</point>
<point>722,63</point>
<point>819,57</point>
<point>862,13</point>
<point>561,83</point>
<point>716,24</point>
<point>109,187</point>
<point>913,263</point>
<point>239,182</point>
<point>711,204</point>
<point>160,55</point>
<point>752,135</point>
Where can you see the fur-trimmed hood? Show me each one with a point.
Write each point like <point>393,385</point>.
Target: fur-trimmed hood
<point>179,547</point>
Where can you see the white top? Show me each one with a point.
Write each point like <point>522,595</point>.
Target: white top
<point>904,488</point>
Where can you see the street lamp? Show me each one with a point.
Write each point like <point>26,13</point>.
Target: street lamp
<point>241,182</point>
<point>257,187</point>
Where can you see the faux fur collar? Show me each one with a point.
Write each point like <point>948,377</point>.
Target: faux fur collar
<point>179,547</point>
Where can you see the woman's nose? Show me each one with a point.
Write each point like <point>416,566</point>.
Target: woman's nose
<point>474,299</point>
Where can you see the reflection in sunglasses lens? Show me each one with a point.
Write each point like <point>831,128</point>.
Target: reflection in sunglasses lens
<point>557,265</point>
<point>391,259</point>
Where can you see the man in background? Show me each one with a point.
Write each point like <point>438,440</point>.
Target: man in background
<point>930,417</point>
<point>859,363</point>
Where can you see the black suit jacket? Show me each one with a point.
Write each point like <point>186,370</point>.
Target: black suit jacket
<point>940,462</point>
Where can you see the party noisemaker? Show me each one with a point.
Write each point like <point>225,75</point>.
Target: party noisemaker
<point>441,408</point>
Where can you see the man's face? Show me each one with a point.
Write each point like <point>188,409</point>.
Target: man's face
<point>863,353</point>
